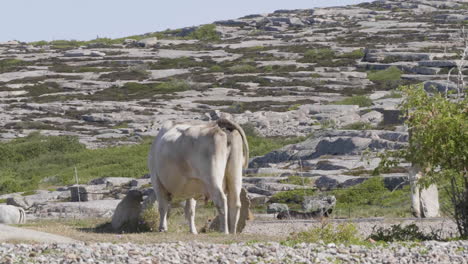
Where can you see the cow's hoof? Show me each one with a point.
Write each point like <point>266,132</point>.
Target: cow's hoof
<point>162,230</point>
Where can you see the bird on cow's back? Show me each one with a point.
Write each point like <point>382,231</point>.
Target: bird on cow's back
<point>193,159</point>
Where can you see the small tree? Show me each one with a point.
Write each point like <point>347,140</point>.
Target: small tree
<point>438,127</point>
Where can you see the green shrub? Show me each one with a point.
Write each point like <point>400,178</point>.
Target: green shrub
<point>360,100</point>
<point>2,201</point>
<point>339,234</point>
<point>206,33</point>
<point>292,196</point>
<point>398,232</point>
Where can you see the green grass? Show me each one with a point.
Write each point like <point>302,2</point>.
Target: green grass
<point>346,233</point>
<point>292,197</point>
<point>43,161</point>
<point>370,199</point>
<point>386,79</point>
<point>360,100</point>
<point>297,180</point>
<point>8,65</point>
<point>26,162</point>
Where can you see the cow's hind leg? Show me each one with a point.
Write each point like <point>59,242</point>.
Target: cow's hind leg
<point>220,201</point>
<point>163,202</point>
<point>190,214</point>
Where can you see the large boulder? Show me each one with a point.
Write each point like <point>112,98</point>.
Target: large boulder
<point>277,208</point>
<point>147,42</point>
<point>319,205</point>
<point>87,193</point>
<point>244,215</point>
<point>18,201</point>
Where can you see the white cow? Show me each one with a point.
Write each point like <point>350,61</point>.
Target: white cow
<point>10,214</point>
<point>189,160</point>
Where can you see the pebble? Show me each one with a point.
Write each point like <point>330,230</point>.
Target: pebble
<point>198,252</point>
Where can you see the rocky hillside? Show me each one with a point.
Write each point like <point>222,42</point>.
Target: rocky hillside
<point>280,72</point>
<point>326,72</point>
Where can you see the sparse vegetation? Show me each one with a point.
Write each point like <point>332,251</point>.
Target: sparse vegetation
<point>398,232</point>
<point>360,100</point>
<point>292,197</point>
<point>133,90</point>
<point>206,33</point>
<point>386,79</point>
<point>328,233</point>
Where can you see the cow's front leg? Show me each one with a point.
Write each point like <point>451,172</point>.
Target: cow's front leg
<point>190,205</point>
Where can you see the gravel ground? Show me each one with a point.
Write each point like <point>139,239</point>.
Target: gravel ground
<point>196,252</point>
<point>445,227</point>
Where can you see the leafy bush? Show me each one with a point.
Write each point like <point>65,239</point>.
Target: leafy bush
<point>339,234</point>
<point>438,144</point>
<point>292,196</point>
<point>398,232</point>
<point>206,33</point>
<point>360,100</point>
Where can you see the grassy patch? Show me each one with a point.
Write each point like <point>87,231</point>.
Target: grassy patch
<point>297,180</point>
<point>346,233</point>
<point>130,74</point>
<point>62,68</point>
<point>292,196</point>
<point>360,100</point>
<point>242,68</point>
<point>9,65</point>
<point>25,162</point>
<point>386,79</point>
<point>241,107</point>
<point>370,199</point>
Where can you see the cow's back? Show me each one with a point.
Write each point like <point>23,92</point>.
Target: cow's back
<point>181,152</point>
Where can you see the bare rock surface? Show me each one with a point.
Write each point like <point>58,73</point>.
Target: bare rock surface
<point>10,233</point>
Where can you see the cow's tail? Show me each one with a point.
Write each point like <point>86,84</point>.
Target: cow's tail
<point>22,217</point>
<point>229,125</point>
